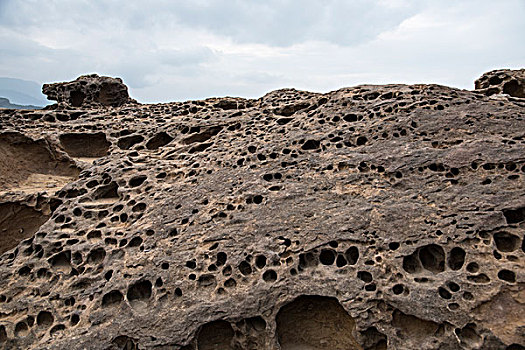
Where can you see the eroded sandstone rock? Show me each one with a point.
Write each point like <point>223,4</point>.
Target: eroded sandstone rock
<point>371,217</point>
<point>502,81</point>
<point>89,91</point>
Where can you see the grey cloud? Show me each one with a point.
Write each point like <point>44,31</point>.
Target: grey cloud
<point>142,69</point>
<point>172,50</point>
<point>260,78</point>
<point>286,22</point>
<point>182,58</point>
<point>272,22</point>
<point>23,57</point>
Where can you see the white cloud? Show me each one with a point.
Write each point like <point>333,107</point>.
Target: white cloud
<point>172,50</point>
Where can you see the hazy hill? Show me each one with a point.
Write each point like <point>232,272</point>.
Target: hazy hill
<point>5,103</point>
<point>22,92</point>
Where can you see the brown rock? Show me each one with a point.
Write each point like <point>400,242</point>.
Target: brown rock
<point>371,217</point>
<point>502,81</point>
<point>89,91</point>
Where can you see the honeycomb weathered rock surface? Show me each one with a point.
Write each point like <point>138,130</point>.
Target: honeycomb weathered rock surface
<point>502,81</point>
<point>88,91</point>
<point>370,217</point>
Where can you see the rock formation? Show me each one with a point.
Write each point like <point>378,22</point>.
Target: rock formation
<point>88,91</point>
<point>502,81</point>
<point>371,217</point>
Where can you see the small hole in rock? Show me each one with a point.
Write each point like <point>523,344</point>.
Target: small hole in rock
<point>365,276</point>
<point>398,289</point>
<point>270,276</point>
<point>75,319</point>
<point>327,257</point>
<point>445,294</point>
<point>514,216</point>
<point>45,319</point>
<point>341,261</point>
<point>393,245</point>
<point>454,287</point>
<point>245,268</point>
<point>473,267</point>
<point>260,261</point>
<point>456,258</point>
<point>432,258</point>
<point>215,335</point>
<point>221,258</point>
<point>139,292</point>
<point>370,287</point>
<point>112,298</point>
<point>352,255</point>
<point>21,329</point>
<point>507,275</point>
<point>506,242</point>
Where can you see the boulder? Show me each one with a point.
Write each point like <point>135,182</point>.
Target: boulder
<point>89,91</point>
<point>502,81</point>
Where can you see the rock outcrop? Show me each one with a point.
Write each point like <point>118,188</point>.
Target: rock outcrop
<point>89,91</point>
<point>502,81</point>
<point>371,217</point>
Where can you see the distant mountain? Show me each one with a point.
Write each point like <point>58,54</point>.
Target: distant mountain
<point>4,103</point>
<point>22,92</point>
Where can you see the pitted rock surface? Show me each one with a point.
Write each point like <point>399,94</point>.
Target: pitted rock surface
<point>371,217</point>
<point>502,81</point>
<point>88,91</point>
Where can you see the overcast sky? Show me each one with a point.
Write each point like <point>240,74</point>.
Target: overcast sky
<point>176,50</point>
